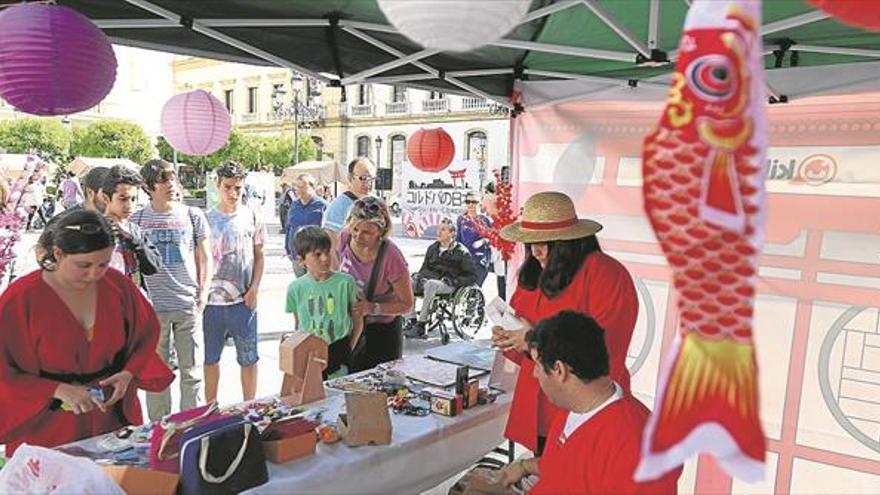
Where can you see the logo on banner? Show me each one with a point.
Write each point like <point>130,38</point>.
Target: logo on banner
<point>814,170</point>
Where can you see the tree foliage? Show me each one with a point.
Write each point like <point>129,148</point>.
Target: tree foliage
<point>46,137</point>
<point>112,139</point>
<point>251,150</point>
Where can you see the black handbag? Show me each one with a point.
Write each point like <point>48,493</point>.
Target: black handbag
<point>222,458</point>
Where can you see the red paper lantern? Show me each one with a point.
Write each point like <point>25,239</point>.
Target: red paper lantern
<point>430,150</point>
<point>858,13</point>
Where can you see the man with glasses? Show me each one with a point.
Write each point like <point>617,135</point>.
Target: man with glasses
<point>361,178</point>
<point>179,290</point>
<point>307,209</point>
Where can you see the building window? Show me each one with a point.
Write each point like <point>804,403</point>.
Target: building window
<point>398,150</point>
<point>398,94</point>
<point>229,99</point>
<point>319,148</point>
<point>437,95</point>
<point>363,94</point>
<point>252,100</point>
<point>476,146</point>
<point>363,146</point>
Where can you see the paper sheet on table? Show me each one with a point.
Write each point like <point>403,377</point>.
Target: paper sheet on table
<point>500,313</point>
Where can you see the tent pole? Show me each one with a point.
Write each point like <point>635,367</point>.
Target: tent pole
<point>360,76</point>
<point>617,27</point>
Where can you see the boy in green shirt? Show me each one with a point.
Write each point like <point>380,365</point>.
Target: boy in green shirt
<point>322,301</point>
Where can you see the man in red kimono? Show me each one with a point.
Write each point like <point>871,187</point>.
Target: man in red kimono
<point>593,446</point>
<point>71,326</point>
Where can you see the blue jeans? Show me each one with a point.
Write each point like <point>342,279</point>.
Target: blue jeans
<point>237,321</point>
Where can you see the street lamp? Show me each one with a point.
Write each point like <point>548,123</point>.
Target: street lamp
<point>301,113</point>
<point>378,151</point>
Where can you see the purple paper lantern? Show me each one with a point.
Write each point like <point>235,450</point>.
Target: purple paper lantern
<point>53,60</point>
<point>195,123</point>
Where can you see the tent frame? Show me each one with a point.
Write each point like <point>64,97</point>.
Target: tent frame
<point>643,51</point>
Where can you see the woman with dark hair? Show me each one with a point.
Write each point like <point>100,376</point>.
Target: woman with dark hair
<point>564,269</point>
<point>382,277</point>
<point>69,370</point>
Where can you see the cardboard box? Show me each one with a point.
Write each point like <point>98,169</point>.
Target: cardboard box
<point>366,420</point>
<point>140,481</point>
<point>289,449</point>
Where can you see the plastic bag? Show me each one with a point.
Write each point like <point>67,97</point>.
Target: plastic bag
<point>38,470</point>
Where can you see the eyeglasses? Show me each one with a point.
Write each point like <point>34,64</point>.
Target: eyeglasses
<point>85,228</point>
<point>365,178</point>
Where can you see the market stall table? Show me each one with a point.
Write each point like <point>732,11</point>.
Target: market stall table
<point>424,451</point>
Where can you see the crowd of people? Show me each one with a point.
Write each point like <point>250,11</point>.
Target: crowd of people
<point>123,296</point>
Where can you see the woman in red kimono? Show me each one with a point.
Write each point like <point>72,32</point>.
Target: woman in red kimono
<point>70,332</point>
<point>564,269</point>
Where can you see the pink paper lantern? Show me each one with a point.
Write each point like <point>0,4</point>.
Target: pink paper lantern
<point>53,60</point>
<point>195,123</point>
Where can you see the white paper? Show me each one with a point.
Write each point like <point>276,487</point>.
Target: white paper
<point>500,313</point>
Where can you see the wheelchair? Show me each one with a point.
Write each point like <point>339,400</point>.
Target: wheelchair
<point>464,309</point>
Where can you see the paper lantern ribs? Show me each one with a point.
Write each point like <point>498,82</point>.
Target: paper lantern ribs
<point>454,25</point>
<point>195,123</point>
<point>430,150</point>
<point>302,358</point>
<point>53,60</point>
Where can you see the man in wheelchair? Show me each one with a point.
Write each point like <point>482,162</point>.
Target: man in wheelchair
<point>447,266</point>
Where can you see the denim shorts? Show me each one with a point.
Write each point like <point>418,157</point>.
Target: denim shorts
<point>237,321</point>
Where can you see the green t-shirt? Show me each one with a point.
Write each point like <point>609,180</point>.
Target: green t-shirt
<point>323,308</point>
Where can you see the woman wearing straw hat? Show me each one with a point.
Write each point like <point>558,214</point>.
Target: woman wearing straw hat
<point>564,269</point>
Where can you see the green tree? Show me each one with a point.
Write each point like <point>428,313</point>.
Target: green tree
<point>112,139</point>
<point>47,137</point>
<point>251,150</point>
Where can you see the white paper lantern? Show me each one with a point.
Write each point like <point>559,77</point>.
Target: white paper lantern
<point>454,25</point>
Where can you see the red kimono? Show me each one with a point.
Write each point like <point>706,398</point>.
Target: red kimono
<point>601,289</point>
<point>39,336</point>
<point>601,455</point>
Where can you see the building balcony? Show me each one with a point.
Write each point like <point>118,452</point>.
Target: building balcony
<point>397,108</point>
<point>474,104</point>
<point>249,118</point>
<point>368,110</point>
<point>433,106</point>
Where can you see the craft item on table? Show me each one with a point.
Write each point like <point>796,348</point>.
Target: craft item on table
<point>432,372</point>
<point>112,443</point>
<point>502,314</point>
<point>405,402</point>
<point>328,434</point>
<point>705,195</point>
<point>289,439</point>
<point>476,354</point>
<point>472,394</point>
<point>366,420</point>
<point>461,379</point>
<point>139,481</point>
<point>445,403</point>
<point>487,396</point>
<point>264,412</point>
<point>394,377</point>
<point>302,358</point>
<point>168,431</point>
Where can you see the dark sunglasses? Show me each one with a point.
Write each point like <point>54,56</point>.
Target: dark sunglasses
<point>470,201</point>
<point>85,228</point>
<point>369,205</point>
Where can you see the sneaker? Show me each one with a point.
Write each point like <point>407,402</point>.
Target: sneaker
<point>416,331</point>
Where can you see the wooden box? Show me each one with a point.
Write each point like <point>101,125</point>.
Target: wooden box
<point>140,481</point>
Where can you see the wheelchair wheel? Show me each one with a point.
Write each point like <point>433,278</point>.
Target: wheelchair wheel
<point>468,311</point>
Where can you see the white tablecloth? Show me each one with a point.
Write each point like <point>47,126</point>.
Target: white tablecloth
<point>423,452</point>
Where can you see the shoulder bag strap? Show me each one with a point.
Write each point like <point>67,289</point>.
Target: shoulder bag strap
<point>352,196</point>
<point>203,458</point>
<point>374,275</point>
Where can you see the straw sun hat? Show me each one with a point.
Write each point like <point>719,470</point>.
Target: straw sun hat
<point>549,216</point>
